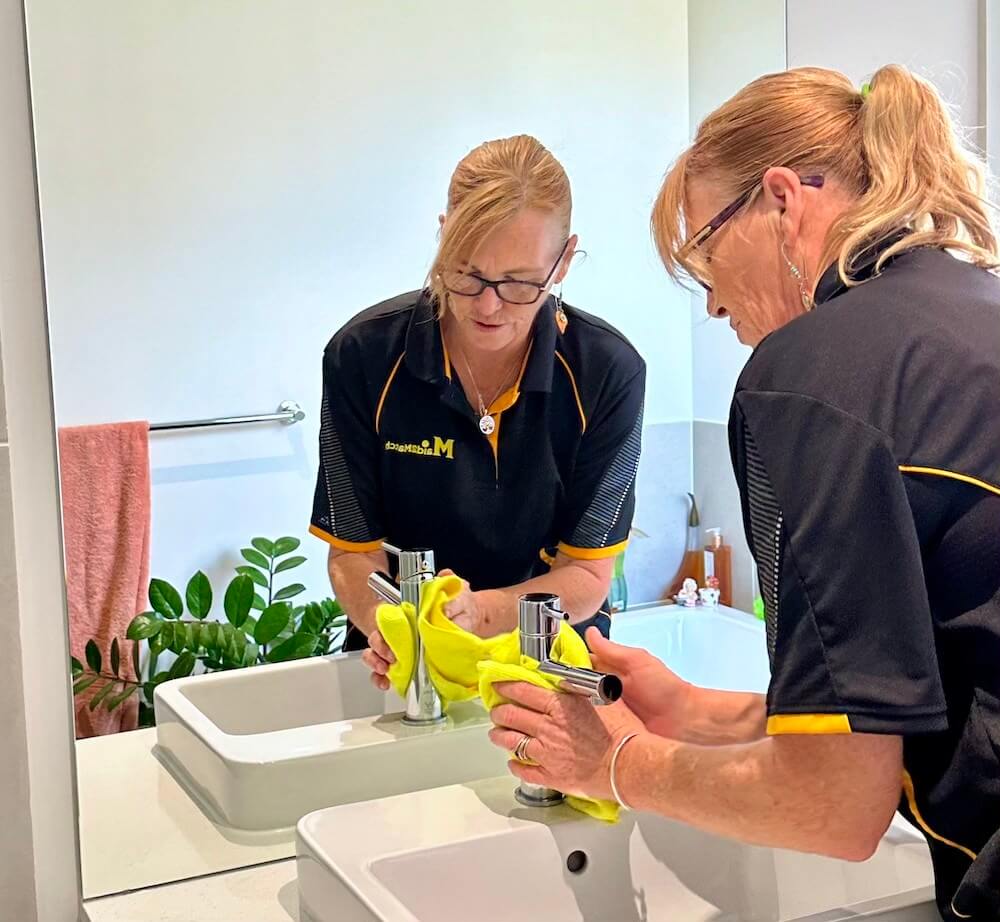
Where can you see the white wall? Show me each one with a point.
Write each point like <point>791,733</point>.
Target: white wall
<point>730,43</point>
<point>940,41</point>
<point>224,184</point>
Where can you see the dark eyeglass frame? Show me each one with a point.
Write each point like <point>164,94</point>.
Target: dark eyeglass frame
<point>486,283</point>
<point>815,180</point>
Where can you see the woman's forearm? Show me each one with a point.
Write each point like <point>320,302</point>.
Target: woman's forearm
<point>349,578</point>
<point>582,587</point>
<point>718,718</point>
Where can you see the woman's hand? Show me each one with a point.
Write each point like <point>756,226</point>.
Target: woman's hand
<point>657,696</point>
<point>570,740</point>
<point>465,609</point>
<point>378,657</point>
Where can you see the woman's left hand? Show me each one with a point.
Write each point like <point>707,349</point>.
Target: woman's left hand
<point>464,609</point>
<point>571,740</point>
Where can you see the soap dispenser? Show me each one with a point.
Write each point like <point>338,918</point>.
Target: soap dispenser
<point>719,564</point>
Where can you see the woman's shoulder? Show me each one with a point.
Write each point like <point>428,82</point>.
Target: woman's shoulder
<point>377,331</point>
<point>591,342</point>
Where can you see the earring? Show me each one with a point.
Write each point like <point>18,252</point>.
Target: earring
<point>796,273</point>
<point>562,321</point>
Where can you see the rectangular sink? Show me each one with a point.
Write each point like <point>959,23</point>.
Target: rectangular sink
<point>386,861</point>
<point>713,647</point>
<point>259,748</point>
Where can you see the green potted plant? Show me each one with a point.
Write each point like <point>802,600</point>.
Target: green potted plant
<point>279,632</point>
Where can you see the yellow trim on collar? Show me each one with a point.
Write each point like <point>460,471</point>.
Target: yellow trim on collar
<point>951,475</point>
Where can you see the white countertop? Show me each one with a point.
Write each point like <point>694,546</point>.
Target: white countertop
<point>138,827</point>
<point>266,893</point>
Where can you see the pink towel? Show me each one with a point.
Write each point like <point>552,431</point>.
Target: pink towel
<point>106,522</point>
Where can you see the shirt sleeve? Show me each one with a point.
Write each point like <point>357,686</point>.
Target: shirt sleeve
<point>600,498</point>
<point>347,502</point>
<point>849,628</point>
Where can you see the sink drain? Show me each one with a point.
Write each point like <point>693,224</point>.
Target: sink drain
<point>576,862</point>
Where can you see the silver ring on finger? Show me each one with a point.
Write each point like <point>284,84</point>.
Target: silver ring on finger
<point>521,749</point>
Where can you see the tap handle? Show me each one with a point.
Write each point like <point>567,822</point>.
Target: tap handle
<point>418,562</point>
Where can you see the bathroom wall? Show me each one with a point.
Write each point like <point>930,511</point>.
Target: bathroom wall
<point>209,225</point>
<point>721,61</point>
<point>38,848</point>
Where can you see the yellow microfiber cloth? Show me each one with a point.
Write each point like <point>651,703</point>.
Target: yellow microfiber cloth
<point>463,665</point>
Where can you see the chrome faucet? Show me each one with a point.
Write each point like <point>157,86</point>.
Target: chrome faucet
<point>539,619</point>
<point>416,568</point>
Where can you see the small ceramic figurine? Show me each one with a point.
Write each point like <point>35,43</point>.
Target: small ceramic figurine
<point>709,596</point>
<point>688,596</point>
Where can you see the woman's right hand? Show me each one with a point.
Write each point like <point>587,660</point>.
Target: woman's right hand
<point>378,657</point>
<point>657,696</point>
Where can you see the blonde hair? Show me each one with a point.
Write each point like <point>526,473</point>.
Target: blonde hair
<point>893,146</point>
<point>490,185</point>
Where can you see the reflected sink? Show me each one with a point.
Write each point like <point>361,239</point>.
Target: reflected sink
<point>470,851</point>
<point>259,748</point>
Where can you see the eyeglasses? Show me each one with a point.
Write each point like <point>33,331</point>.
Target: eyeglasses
<point>469,285</point>
<point>696,241</point>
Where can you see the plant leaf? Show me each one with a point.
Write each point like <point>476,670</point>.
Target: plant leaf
<point>75,667</point>
<point>256,558</point>
<point>258,602</point>
<point>93,656</point>
<point>83,684</point>
<point>259,578</point>
<point>116,656</point>
<point>210,633</point>
<point>143,627</point>
<point>250,655</point>
<point>162,639</point>
<point>165,599</point>
<point>136,661</point>
<point>289,592</point>
<point>239,598</point>
<point>101,695</point>
<point>289,563</point>
<point>272,622</point>
<point>178,642</point>
<point>264,546</point>
<point>297,646</point>
<point>113,702</point>
<point>184,665</point>
<point>199,595</point>
<point>285,546</point>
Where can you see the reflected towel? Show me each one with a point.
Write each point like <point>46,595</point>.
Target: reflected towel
<point>463,666</point>
<point>104,472</point>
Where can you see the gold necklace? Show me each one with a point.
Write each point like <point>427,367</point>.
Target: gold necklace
<point>487,423</point>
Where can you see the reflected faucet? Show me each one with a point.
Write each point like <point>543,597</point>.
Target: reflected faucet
<point>416,568</point>
<point>539,619</point>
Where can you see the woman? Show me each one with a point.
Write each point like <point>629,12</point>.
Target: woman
<point>844,236</point>
<point>482,417</point>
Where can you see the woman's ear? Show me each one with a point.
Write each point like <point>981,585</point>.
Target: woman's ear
<point>440,221</point>
<point>783,195</point>
<point>567,259</point>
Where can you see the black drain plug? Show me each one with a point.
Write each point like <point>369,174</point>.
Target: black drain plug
<point>576,862</point>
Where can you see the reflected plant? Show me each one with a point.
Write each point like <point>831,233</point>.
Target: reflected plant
<point>281,632</point>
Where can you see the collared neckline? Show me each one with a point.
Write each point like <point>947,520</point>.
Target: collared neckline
<point>428,359</point>
<point>863,268</point>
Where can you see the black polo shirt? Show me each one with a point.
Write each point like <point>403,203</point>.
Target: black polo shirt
<point>866,443</point>
<point>402,456</point>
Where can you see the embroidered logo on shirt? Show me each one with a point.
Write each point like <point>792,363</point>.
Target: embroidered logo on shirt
<point>441,448</point>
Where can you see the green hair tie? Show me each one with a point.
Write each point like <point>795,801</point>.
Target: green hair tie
<point>866,90</point>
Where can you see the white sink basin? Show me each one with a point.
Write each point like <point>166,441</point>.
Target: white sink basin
<point>469,851</point>
<point>712,647</point>
<point>259,748</point>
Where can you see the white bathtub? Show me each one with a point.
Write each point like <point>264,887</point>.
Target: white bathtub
<point>712,647</point>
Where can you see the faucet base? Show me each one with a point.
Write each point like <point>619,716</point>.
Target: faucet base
<point>423,721</point>
<point>534,795</point>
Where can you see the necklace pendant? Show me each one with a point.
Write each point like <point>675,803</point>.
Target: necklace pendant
<point>487,424</point>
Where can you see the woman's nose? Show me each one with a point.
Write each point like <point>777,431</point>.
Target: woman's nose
<point>714,308</point>
<point>488,302</point>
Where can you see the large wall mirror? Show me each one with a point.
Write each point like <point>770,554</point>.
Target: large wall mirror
<point>222,187</point>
